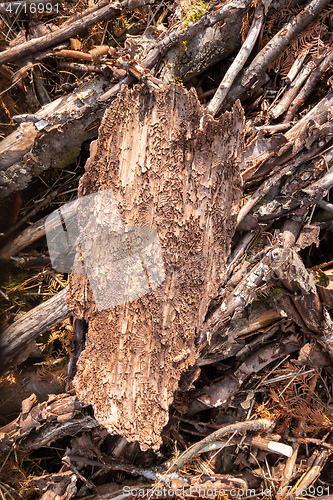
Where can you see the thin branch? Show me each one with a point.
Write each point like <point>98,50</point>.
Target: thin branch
<point>291,93</point>
<point>215,104</point>
<point>85,21</point>
<point>254,425</point>
<point>309,86</point>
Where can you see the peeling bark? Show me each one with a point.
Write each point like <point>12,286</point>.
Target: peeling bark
<point>167,174</point>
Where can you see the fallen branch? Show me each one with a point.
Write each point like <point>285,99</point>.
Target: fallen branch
<point>74,28</point>
<point>30,325</point>
<point>266,444</point>
<point>292,73</point>
<point>32,233</point>
<point>215,104</point>
<point>254,425</point>
<point>309,86</point>
<point>52,137</point>
<point>290,94</point>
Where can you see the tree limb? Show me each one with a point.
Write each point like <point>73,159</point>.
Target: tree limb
<point>85,21</point>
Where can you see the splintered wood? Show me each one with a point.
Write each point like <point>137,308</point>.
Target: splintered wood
<point>168,173</point>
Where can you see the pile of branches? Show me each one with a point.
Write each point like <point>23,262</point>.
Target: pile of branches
<point>253,417</point>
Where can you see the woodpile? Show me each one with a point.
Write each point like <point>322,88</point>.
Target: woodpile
<point>166,249</point>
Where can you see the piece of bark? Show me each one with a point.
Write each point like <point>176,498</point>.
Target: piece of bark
<point>85,68</point>
<point>59,412</point>
<point>185,183</point>
<point>59,486</point>
<point>33,323</point>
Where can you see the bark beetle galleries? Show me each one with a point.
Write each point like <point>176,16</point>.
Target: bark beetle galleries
<point>184,183</point>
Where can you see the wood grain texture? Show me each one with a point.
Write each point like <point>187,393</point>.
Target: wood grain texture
<point>184,182</point>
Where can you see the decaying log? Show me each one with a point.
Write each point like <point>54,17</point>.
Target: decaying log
<point>184,183</point>
<point>32,324</point>
<point>52,138</point>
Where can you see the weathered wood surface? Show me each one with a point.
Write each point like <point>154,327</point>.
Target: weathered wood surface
<point>35,322</point>
<point>167,174</point>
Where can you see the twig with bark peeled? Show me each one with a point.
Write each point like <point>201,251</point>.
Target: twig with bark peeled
<point>215,104</point>
<point>252,425</point>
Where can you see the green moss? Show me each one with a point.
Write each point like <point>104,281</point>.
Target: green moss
<point>321,278</point>
<point>195,10</point>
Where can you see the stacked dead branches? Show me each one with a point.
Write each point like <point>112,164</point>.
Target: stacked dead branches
<point>253,408</point>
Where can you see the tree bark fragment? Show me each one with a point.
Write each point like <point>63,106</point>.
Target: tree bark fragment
<point>183,182</point>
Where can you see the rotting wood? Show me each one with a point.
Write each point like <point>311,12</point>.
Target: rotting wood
<point>192,207</point>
